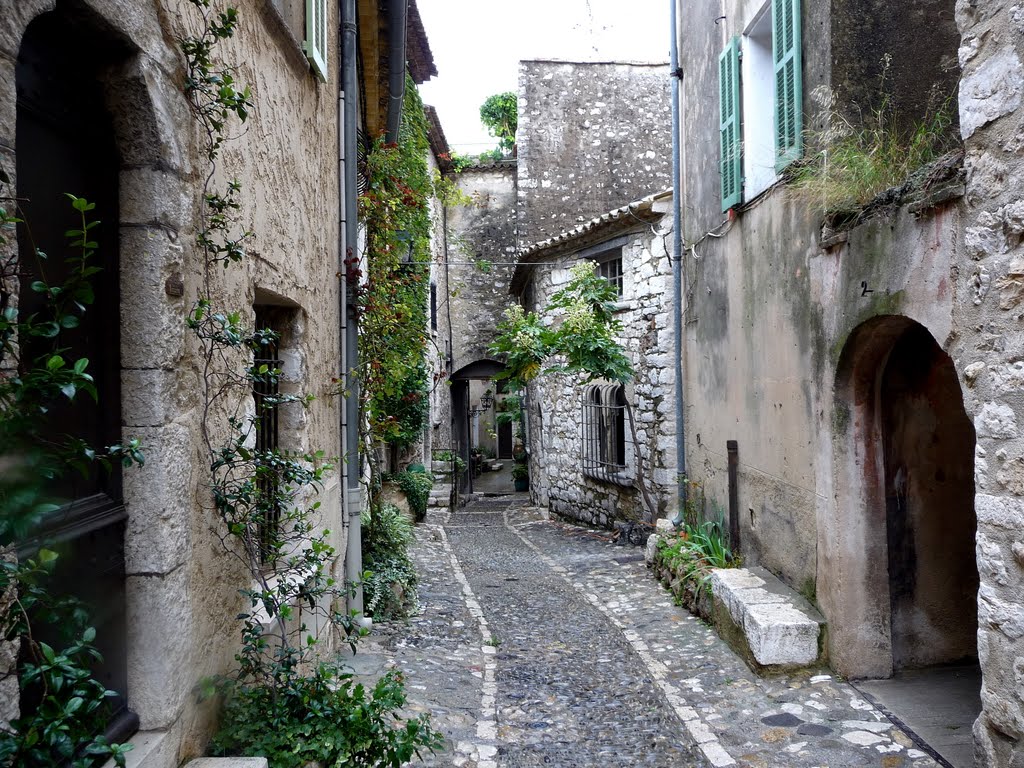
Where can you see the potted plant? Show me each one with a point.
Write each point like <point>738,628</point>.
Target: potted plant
<point>521,476</point>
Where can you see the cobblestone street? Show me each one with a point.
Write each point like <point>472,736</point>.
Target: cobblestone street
<point>540,643</point>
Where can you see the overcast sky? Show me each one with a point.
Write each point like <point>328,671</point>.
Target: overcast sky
<point>477,45</point>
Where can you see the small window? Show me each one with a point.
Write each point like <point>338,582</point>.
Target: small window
<point>266,390</point>
<point>609,266</point>
<point>315,46</point>
<point>606,452</point>
<point>433,306</point>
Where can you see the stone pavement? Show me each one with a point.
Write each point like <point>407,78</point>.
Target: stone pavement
<point>543,644</point>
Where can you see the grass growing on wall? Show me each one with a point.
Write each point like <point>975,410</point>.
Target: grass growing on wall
<point>860,160</point>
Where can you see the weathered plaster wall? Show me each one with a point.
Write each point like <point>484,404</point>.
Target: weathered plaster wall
<point>988,352</point>
<point>771,317</point>
<point>481,240</point>
<point>874,59</point>
<point>555,401</point>
<point>182,587</point>
<point>592,137</point>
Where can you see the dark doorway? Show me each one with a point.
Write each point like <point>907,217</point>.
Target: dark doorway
<point>65,144</point>
<point>505,440</point>
<point>462,413</point>
<point>929,498</point>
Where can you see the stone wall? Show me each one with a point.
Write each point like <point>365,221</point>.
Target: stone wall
<point>439,430</point>
<point>182,586</point>
<point>988,353</point>
<point>592,137</point>
<point>555,401</point>
<point>481,246</point>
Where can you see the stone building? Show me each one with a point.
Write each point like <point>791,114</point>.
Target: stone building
<point>865,365</point>
<point>592,137</point>
<point>584,462</point>
<point>91,101</point>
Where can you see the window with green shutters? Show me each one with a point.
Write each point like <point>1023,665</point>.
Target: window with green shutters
<point>788,97</point>
<point>729,124</point>
<point>760,102</point>
<point>315,45</point>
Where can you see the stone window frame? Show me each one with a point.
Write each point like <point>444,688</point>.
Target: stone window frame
<point>606,451</point>
<point>151,124</point>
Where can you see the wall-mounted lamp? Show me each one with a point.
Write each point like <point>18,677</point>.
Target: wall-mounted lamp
<point>486,400</point>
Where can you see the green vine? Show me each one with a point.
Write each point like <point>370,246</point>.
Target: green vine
<point>392,300</point>
<point>42,371</point>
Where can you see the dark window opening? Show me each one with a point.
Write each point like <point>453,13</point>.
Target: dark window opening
<point>605,455</point>
<point>66,144</point>
<point>433,306</point>
<point>266,390</point>
<point>611,270</point>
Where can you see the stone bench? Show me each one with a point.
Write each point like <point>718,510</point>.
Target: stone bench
<point>764,620</point>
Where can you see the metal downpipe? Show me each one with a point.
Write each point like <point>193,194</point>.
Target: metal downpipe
<point>349,235</point>
<point>675,80</point>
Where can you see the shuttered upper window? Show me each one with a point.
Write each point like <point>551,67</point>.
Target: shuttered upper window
<point>729,124</point>
<point>760,102</point>
<point>316,42</point>
<point>788,99</point>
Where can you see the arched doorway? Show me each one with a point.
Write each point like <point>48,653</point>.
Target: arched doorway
<point>903,577</point>
<point>66,144</point>
<point>475,431</point>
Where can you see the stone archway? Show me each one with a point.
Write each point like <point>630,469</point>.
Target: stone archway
<point>146,130</point>
<point>903,587</point>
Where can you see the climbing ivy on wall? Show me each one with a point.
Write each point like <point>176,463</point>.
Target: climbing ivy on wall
<point>392,300</point>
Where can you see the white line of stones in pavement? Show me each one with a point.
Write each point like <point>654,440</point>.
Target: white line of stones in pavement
<point>702,735</point>
<point>486,727</point>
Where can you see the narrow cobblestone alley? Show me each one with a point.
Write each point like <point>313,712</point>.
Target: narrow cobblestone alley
<point>540,643</point>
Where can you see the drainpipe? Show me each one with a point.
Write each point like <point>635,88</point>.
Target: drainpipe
<point>398,12</point>
<point>676,81</point>
<point>348,235</point>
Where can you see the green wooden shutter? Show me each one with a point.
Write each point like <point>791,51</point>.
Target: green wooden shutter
<point>789,121</point>
<point>315,45</point>
<point>729,124</point>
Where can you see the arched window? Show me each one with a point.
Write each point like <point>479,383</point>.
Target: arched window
<point>606,452</point>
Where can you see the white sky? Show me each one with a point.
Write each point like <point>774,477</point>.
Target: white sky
<point>477,45</point>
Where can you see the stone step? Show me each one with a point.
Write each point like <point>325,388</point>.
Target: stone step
<point>777,627</point>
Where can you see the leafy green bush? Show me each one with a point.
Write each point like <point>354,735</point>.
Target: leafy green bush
<point>695,551</point>
<point>389,587</point>
<point>451,457</point>
<point>416,487</point>
<point>500,115</point>
<point>324,718</point>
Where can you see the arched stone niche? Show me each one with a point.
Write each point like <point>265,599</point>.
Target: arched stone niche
<point>900,581</point>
